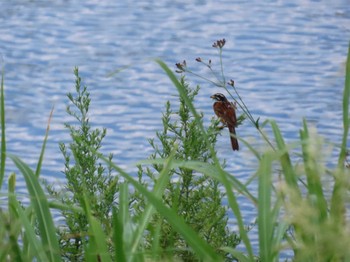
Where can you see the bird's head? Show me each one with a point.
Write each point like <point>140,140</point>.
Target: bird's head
<point>219,97</point>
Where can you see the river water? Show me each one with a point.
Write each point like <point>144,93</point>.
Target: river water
<point>287,59</point>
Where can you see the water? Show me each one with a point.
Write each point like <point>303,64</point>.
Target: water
<point>286,57</point>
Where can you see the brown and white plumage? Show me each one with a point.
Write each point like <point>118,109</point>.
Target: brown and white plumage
<point>226,111</point>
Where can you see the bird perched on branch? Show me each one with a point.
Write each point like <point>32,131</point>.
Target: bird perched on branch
<point>226,111</point>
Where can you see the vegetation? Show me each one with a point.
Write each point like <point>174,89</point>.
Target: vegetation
<point>86,177</point>
<point>195,197</point>
<point>112,216</point>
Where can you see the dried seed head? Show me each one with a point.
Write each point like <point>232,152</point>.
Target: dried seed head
<point>181,67</point>
<point>219,43</point>
<point>231,82</point>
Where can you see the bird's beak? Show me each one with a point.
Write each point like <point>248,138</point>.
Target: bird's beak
<point>212,96</point>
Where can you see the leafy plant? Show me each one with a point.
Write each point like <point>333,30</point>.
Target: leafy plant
<point>298,212</point>
<point>301,206</point>
<point>86,177</point>
<point>26,232</point>
<point>194,196</point>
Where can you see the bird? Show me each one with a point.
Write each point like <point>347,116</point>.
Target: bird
<point>226,111</point>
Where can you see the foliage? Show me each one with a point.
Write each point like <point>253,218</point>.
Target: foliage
<point>299,212</point>
<point>86,177</point>
<point>302,206</point>
<point>194,196</point>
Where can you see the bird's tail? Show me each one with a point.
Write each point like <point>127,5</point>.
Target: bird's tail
<point>234,141</point>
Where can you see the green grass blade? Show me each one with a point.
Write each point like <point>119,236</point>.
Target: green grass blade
<point>199,246</point>
<point>35,245</point>
<point>13,226</point>
<point>158,191</point>
<point>279,235</point>
<point>118,232</point>
<point>11,191</point>
<point>339,191</point>
<point>265,220</point>
<point>3,136</point>
<point>20,217</point>
<point>123,206</point>
<point>118,70</point>
<point>286,163</point>
<point>206,169</point>
<point>181,89</point>
<point>346,94</point>
<point>250,147</point>
<point>41,207</point>
<point>63,207</point>
<point>314,184</point>
<point>240,256</point>
<point>230,196</point>
<point>237,212</point>
<point>97,246</point>
<point>38,168</point>
<point>230,183</point>
<point>123,226</point>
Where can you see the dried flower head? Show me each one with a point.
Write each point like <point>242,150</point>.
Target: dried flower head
<point>231,82</point>
<point>198,59</point>
<point>181,67</point>
<point>219,43</point>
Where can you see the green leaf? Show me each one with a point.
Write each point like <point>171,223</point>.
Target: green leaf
<point>230,196</point>
<point>97,247</point>
<point>337,202</point>
<point>36,246</point>
<point>158,191</point>
<point>265,220</point>
<point>206,169</point>
<point>118,232</point>
<point>286,163</point>
<point>346,95</point>
<point>3,136</point>
<point>313,172</point>
<point>123,226</point>
<point>41,207</point>
<point>199,246</point>
<point>237,254</point>
<point>38,168</point>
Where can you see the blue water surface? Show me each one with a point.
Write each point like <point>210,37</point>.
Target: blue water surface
<point>287,59</point>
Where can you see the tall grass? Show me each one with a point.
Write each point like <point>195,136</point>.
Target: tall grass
<point>3,134</point>
<point>294,210</point>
